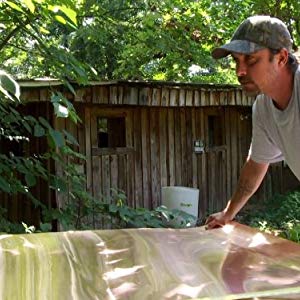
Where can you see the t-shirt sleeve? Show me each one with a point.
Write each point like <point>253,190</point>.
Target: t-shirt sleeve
<point>262,148</point>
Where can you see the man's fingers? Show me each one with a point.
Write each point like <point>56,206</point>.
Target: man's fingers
<point>210,223</point>
<point>213,222</point>
<point>208,220</point>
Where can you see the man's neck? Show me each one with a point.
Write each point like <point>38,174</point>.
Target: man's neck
<point>282,91</point>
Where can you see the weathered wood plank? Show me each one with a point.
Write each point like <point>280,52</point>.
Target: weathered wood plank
<point>145,96</point>
<point>145,142</point>
<point>133,96</point>
<point>171,148</point>
<point>155,157</point>
<point>96,94</point>
<point>189,98</point>
<point>163,146</point>
<point>207,98</point>
<point>114,171</point>
<point>156,97</point>
<point>174,97</point>
<point>212,180</point>
<point>244,101</point>
<point>177,139</point>
<point>182,97</point>
<point>80,95</point>
<point>88,148</point>
<point>234,149</point>
<point>105,177</point>
<point>30,95</point>
<point>188,160</point>
<point>231,98</point>
<point>97,177</point>
<point>202,97</point>
<point>113,95</point>
<point>130,179</point>
<point>120,95</point>
<point>122,184</point>
<point>223,191</point>
<point>221,98</point>
<point>203,165</point>
<point>93,130</point>
<point>104,95</point>
<point>183,136</point>
<point>137,177</point>
<point>81,129</point>
<point>214,99</point>
<point>44,95</point>
<point>238,97</point>
<point>194,137</point>
<point>197,98</point>
<point>228,152</point>
<point>240,133</point>
<point>165,97</point>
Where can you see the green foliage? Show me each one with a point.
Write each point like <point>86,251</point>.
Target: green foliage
<point>279,215</point>
<point>88,212</point>
<point>165,40</point>
<point>32,43</point>
<point>124,216</point>
<point>149,40</point>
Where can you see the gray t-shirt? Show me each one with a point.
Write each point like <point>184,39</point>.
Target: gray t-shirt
<point>276,133</point>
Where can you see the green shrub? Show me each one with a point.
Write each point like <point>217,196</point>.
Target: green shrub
<point>279,215</point>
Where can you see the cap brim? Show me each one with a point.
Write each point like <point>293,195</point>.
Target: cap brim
<point>238,46</point>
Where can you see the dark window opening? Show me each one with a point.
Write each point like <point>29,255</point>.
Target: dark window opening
<point>111,132</point>
<point>215,131</point>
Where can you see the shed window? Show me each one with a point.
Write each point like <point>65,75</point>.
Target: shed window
<point>111,132</point>
<point>215,131</point>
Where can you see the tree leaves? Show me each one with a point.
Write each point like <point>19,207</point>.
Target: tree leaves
<point>57,138</point>
<point>30,5</point>
<point>39,131</point>
<point>67,11</point>
<point>14,6</point>
<point>9,87</point>
<point>128,40</point>
<point>30,179</point>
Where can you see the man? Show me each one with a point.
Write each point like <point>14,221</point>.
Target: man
<point>265,66</point>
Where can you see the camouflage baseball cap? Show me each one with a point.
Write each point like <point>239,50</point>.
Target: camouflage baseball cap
<point>256,33</point>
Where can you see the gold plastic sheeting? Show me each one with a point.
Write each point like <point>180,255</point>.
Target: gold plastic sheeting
<point>233,262</point>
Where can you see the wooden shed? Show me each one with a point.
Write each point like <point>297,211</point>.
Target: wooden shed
<point>141,136</point>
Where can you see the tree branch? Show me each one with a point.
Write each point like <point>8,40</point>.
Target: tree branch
<point>10,35</point>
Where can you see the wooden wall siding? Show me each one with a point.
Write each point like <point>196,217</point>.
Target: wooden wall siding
<point>151,95</point>
<point>160,153</point>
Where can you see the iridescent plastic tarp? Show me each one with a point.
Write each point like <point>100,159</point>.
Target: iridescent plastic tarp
<point>233,262</point>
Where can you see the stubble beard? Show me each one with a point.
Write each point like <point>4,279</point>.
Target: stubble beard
<point>248,86</point>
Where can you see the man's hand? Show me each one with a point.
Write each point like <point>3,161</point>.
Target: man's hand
<point>217,220</point>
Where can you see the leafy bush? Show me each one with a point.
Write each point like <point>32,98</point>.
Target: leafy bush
<point>160,217</point>
<point>279,215</point>
<point>113,212</point>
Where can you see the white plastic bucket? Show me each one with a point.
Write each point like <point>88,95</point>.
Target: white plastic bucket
<point>181,198</point>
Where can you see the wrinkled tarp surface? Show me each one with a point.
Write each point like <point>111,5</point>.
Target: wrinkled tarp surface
<point>235,262</point>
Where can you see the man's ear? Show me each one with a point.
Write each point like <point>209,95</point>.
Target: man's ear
<point>283,57</point>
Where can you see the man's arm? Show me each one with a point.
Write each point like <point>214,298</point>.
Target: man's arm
<point>250,179</point>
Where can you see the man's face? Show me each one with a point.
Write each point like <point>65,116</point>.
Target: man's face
<point>256,72</point>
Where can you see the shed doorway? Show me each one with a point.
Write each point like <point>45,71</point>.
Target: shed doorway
<point>112,155</point>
